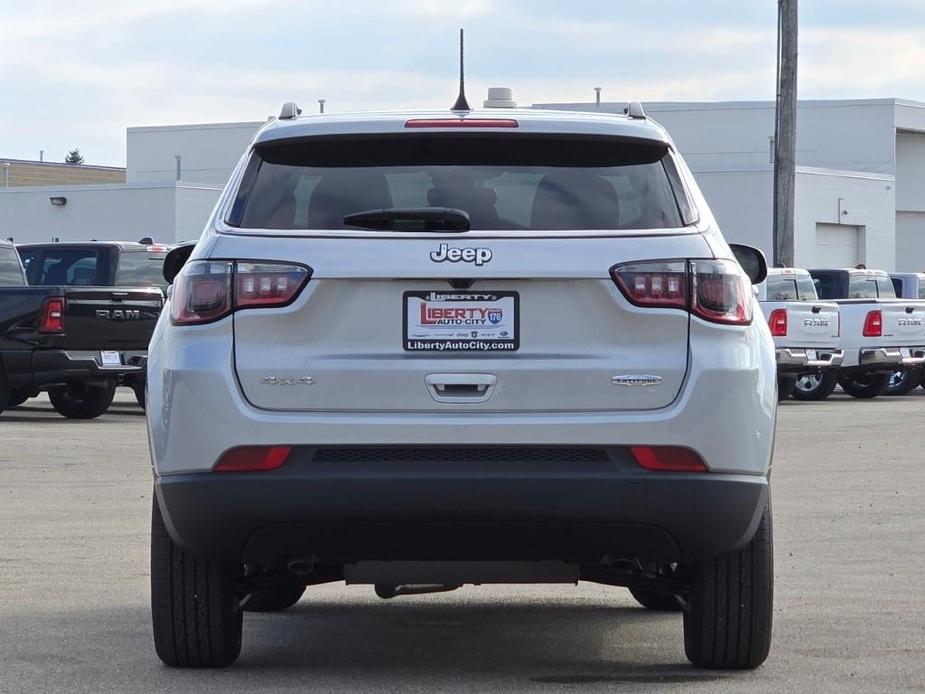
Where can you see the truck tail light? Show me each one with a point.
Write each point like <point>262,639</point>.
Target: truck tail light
<point>715,290</point>
<point>668,458</point>
<point>253,459</point>
<point>208,290</point>
<point>873,324</point>
<point>778,322</point>
<point>51,317</point>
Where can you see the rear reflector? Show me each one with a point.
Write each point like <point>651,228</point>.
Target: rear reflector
<point>873,324</point>
<point>778,322</point>
<point>668,458</point>
<point>461,123</point>
<point>253,459</point>
<point>51,319</point>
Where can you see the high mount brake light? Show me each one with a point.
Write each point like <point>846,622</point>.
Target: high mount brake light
<point>778,322</point>
<point>462,123</point>
<point>51,318</point>
<point>253,459</point>
<point>873,324</point>
<point>715,290</point>
<point>208,290</point>
<point>668,458</point>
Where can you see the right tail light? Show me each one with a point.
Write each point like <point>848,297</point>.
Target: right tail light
<point>715,290</point>
<point>208,290</point>
<point>873,324</point>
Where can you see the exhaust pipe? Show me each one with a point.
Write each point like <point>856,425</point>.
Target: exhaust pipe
<point>387,591</point>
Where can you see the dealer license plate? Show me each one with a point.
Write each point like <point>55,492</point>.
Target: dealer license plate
<point>451,321</point>
<point>108,358</point>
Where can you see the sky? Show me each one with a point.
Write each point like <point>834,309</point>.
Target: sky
<point>76,73</point>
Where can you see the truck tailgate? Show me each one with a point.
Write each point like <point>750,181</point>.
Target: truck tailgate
<point>115,318</point>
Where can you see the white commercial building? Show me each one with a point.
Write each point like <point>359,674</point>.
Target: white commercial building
<point>860,188</point>
<point>174,175</point>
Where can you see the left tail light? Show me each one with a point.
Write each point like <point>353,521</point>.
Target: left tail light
<point>208,290</point>
<point>715,290</point>
<point>778,322</point>
<point>51,317</point>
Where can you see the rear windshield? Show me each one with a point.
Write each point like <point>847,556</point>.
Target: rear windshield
<point>870,287</point>
<point>790,288</point>
<point>141,269</point>
<point>519,182</point>
<point>76,266</point>
<point>10,268</point>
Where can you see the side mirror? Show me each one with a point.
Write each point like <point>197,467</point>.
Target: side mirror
<point>752,261</point>
<point>175,261</point>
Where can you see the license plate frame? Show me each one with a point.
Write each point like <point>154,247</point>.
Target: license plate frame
<point>491,308</point>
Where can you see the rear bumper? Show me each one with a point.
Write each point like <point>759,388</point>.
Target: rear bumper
<point>341,518</point>
<point>53,367</point>
<point>801,360</point>
<point>892,357</point>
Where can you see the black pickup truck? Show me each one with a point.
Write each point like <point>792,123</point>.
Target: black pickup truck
<point>75,320</point>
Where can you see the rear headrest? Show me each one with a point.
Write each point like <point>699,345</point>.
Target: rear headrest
<point>575,200</point>
<point>341,193</point>
<point>84,276</point>
<point>477,202</point>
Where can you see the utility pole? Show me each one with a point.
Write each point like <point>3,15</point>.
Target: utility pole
<point>785,132</point>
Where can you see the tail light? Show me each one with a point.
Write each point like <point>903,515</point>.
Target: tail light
<point>208,290</point>
<point>668,458</point>
<point>253,459</point>
<point>715,290</point>
<point>461,123</point>
<point>778,322</point>
<point>51,317</point>
<point>873,324</point>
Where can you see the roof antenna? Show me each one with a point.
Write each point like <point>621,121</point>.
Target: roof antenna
<point>461,103</point>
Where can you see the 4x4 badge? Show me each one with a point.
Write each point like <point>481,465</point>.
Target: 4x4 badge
<point>479,256</point>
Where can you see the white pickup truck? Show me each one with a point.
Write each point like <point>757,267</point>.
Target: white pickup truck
<point>805,332</point>
<point>879,333</point>
<point>907,285</point>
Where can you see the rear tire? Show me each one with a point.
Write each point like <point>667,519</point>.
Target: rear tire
<point>815,386</point>
<point>196,616</point>
<point>727,625</point>
<point>904,382</point>
<point>82,401</point>
<point>865,385</point>
<point>785,386</point>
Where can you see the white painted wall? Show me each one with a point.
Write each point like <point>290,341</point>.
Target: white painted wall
<point>163,211</point>
<point>867,201</point>
<point>209,152</point>
<point>910,172</point>
<point>730,135</point>
<point>910,241</point>
<point>741,201</point>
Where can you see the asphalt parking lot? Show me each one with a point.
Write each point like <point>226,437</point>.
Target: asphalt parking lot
<point>849,493</point>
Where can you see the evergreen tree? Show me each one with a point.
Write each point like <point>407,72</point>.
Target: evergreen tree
<point>74,157</point>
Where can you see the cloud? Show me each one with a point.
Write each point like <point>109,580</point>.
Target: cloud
<point>77,73</point>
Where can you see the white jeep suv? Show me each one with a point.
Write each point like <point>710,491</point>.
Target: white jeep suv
<point>423,350</point>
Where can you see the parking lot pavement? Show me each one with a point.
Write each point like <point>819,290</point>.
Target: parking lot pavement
<point>849,493</point>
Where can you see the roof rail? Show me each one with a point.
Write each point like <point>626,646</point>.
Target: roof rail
<point>634,110</point>
<point>289,111</point>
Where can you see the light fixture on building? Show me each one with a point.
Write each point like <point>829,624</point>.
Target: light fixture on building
<point>58,200</point>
